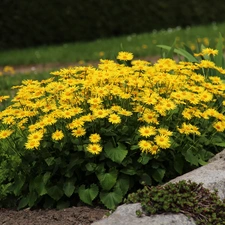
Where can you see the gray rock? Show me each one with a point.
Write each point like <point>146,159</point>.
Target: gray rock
<point>211,175</point>
<point>126,215</point>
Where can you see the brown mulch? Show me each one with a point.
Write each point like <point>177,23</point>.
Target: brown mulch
<point>82,215</point>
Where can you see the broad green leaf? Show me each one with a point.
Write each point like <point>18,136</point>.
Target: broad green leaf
<point>18,184</point>
<point>129,170</point>
<point>39,184</point>
<point>107,180</point>
<point>91,167</point>
<point>134,147</point>
<point>55,192</point>
<point>32,197</point>
<point>123,183</point>
<point>158,174</point>
<point>190,157</point>
<point>87,195</point>
<point>23,203</point>
<point>116,154</point>
<point>179,163</point>
<point>146,179</point>
<point>111,199</point>
<point>144,158</point>
<point>68,188</point>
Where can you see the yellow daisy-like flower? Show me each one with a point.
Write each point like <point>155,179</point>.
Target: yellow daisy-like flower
<point>5,133</point>
<point>219,126</point>
<point>79,132</point>
<point>114,119</point>
<point>125,56</point>
<point>162,141</point>
<point>165,131</point>
<point>144,145</point>
<point>36,136</point>
<point>57,135</point>
<point>188,129</point>
<point>94,138</point>
<point>209,51</point>
<point>32,144</point>
<point>147,131</point>
<point>4,97</point>
<point>94,148</point>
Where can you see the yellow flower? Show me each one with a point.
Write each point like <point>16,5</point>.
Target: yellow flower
<point>4,97</point>
<point>144,145</point>
<point>219,126</point>
<point>57,135</point>
<point>80,131</point>
<point>31,144</point>
<point>36,135</point>
<point>165,131</point>
<point>5,133</point>
<point>95,101</point>
<point>94,148</point>
<point>147,131</point>
<point>162,141</point>
<point>209,51</point>
<point>100,113</point>
<point>125,56</point>
<point>94,138</point>
<point>188,129</point>
<point>114,119</point>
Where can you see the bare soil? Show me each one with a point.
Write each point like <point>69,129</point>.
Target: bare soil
<point>82,215</point>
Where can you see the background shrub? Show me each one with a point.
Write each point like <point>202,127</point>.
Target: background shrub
<point>27,23</point>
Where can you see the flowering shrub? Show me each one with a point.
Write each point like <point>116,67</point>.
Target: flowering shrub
<point>95,134</point>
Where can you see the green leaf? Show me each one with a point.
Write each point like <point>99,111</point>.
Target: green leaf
<point>146,179</point>
<point>32,197</point>
<point>171,51</point>
<point>190,157</point>
<point>111,199</point>
<point>107,180</point>
<point>87,195</point>
<point>90,167</point>
<point>134,147</point>
<point>144,158</point>
<point>179,163</point>
<point>55,192</point>
<point>18,184</point>
<point>23,203</point>
<point>129,170</point>
<point>116,154</point>
<point>123,183</point>
<point>180,51</point>
<point>68,188</point>
<point>158,174</point>
<point>219,47</point>
<point>221,144</point>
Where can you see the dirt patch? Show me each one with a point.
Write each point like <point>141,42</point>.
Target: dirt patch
<point>71,216</point>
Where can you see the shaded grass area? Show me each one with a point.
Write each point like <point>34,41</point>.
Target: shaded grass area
<point>141,45</point>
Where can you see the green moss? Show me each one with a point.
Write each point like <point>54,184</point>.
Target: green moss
<point>185,197</point>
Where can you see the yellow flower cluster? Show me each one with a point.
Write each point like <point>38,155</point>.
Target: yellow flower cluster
<point>167,92</point>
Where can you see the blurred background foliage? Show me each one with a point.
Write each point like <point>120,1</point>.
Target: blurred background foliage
<point>26,23</point>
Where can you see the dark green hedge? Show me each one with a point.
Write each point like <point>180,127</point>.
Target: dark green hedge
<point>25,23</point>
